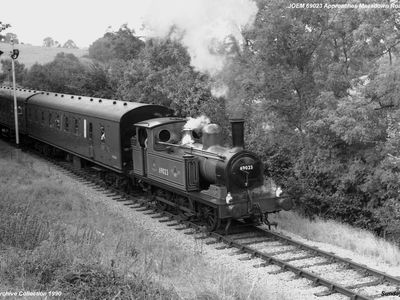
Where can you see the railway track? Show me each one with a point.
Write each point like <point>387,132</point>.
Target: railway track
<point>263,246</point>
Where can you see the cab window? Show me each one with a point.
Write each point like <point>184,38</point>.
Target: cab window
<point>143,137</point>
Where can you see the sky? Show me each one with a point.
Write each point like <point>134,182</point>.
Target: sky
<point>83,21</point>
<point>202,26</point>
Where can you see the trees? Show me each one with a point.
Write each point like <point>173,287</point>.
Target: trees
<point>10,37</point>
<point>321,89</point>
<point>48,42</point>
<point>64,74</point>
<point>6,75</point>
<point>162,74</point>
<point>122,44</point>
<point>70,44</point>
<point>2,28</point>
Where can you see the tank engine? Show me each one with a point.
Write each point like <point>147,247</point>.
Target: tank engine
<point>215,182</point>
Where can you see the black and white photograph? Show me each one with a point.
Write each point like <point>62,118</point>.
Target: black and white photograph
<point>200,149</point>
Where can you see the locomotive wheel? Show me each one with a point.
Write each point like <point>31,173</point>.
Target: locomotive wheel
<point>252,220</point>
<point>161,206</point>
<point>213,222</point>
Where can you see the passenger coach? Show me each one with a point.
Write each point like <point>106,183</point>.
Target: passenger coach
<point>98,130</point>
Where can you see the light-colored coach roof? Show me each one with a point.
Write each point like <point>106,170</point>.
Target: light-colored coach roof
<point>22,94</point>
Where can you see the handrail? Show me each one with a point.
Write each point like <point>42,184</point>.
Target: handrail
<point>201,152</point>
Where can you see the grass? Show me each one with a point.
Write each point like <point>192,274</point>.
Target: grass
<point>53,238</point>
<point>29,55</point>
<point>328,231</point>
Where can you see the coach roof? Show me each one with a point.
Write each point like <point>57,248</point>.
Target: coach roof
<point>22,94</point>
<point>94,107</point>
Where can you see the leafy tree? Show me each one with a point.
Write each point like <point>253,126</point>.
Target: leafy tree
<point>319,89</point>
<point>122,44</point>
<point>96,82</point>
<point>48,42</point>
<point>162,74</point>
<point>2,28</point>
<point>64,74</point>
<point>70,44</point>
<point>6,71</point>
<point>11,37</point>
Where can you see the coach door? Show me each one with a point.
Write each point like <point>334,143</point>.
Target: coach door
<point>88,133</point>
<point>21,109</point>
<point>139,152</point>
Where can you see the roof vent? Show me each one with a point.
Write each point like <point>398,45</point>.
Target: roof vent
<point>79,98</point>
<point>100,100</point>
<point>114,102</point>
<point>56,95</point>
<point>47,93</point>
<point>91,99</point>
<point>72,97</point>
<point>125,104</point>
<point>42,93</point>
<point>62,95</point>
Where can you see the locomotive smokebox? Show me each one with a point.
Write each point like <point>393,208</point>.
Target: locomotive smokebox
<point>211,136</point>
<point>237,132</point>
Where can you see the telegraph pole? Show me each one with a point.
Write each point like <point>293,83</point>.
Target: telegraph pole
<point>14,56</point>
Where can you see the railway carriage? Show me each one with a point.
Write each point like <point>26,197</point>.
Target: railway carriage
<point>7,124</point>
<point>98,130</point>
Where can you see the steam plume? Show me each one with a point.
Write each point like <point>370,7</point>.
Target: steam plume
<point>197,123</point>
<point>194,124</point>
<point>210,29</point>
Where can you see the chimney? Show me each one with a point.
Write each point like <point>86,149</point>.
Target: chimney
<point>237,132</point>
<point>211,136</point>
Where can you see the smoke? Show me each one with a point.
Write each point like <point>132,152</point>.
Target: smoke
<point>197,123</point>
<point>219,89</point>
<point>194,124</point>
<point>210,29</point>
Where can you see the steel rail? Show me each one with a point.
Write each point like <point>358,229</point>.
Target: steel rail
<point>318,280</point>
<point>140,199</point>
<point>370,271</point>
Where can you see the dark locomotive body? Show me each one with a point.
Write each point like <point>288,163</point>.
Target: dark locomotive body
<point>186,169</point>
<point>203,175</point>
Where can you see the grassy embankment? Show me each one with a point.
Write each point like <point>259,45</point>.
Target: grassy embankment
<point>53,238</point>
<point>29,55</point>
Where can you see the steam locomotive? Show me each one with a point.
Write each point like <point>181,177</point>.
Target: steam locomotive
<point>181,167</point>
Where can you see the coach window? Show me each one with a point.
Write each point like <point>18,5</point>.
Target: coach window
<point>19,110</point>
<point>43,117</point>
<point>30,114</point>
<point>102,134</point>
<point>57,121</point>
<point>90,131</point>
<point>76,126</point>
<point>66,123</point>
<point>50,120</point>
